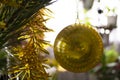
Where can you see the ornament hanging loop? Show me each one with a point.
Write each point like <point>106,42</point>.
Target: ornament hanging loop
<point>77,11</point>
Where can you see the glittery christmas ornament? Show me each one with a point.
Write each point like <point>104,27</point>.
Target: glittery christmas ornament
<point>78,48</point>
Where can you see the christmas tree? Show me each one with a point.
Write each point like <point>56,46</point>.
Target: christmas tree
<point>22,27</point>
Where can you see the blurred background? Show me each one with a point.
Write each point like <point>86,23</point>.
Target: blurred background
<point>101,14</point>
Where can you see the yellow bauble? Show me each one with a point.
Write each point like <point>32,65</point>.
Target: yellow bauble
<point>78,48</point>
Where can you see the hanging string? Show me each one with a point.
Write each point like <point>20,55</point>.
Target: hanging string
<point>77,11</point>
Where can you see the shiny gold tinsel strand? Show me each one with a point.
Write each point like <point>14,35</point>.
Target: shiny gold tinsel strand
<point>29,55</point>
<point>30,66</point>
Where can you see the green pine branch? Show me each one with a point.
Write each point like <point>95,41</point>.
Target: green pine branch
<point>15,17</point>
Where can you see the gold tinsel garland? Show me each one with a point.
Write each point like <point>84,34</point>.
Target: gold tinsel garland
<point>30,64</point>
